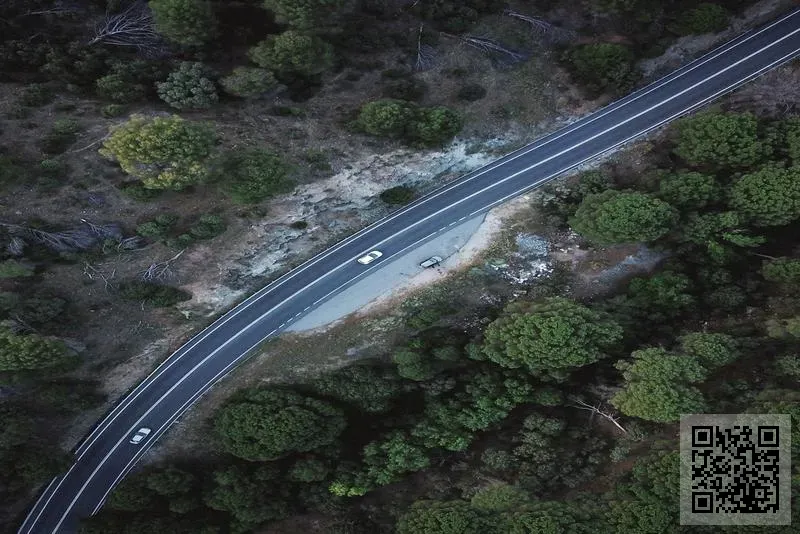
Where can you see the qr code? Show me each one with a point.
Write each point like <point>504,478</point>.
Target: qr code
<point>735,469</point>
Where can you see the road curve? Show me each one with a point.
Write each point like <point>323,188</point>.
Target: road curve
<point>106,456</point>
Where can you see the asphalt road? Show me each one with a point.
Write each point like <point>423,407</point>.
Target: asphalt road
<point>106,455</point>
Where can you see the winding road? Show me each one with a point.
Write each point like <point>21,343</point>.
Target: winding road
<point>106,455</point>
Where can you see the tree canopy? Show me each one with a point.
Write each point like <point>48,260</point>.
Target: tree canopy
<point>550,337</point>
<point>781,270</point>
<point>769,196</point>
<point>22,352</point>
<point>721,140</point>
<point>614,217</point>
<point>256,174</point>
<point>186,22</point>
<point>266,424</point>
<point>435,517</point>
<point>689,191</point>
<point>188,87</point>
<point>308,14</point>
<point>602,67</point>
<point>293,52</point>
<point>249,82</point>
<point>164,152</point>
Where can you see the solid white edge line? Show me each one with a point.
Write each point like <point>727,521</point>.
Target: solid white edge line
<point>580,123</point>
<point>428,236</point>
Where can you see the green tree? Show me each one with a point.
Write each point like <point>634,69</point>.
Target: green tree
<point>266,424</point>
<point>689,191</point>
<point>435,126</point>
<point>15,269</point>
<point>781,270</point>
<point>22,352</point>
<point>721,140</point>
<point>170,481</point>
<point>602,67</point>
<point>249,82</point>
<point>622,217</point>
<point>659,298</point>
<point>401,194</point>
<point>369,388</point>
<point>435,517</point>
<point>711,350</point>
<point>152,294</point>
<point>186,22</point>
<point>769,196</point>
<point>309,470</point>
<point>392,456</point>
<point>131,495</point>
<point>164,152</point>
<point>704,18</point>
<point>413,365</point>
<point>385,118</point>
<point>247,494</point>
<point>117,88</point>
<point>551,337</point>
<point>255,174</point>
<point>188,87</point>
<point>499,497</point>
<point>658,385</point>
<point>308,14</point>
<point>720,233</point>
<point>545,517</point>
<point>293,53</point>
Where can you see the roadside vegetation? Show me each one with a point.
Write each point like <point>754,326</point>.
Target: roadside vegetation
<point>137,135</point>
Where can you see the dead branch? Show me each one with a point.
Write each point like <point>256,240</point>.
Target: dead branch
<point>424,53</point>
<point>160,271</point>
<point>89,145</point>
<point>492,48</point>
<point>16,246</point>
<point>541,28</point>
<point>132,27</point>
<point>92,273</point>
<point>595,410</point>
<point>70,240</point>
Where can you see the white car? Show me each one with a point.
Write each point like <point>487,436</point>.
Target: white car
<point>369,257</point>
<point>140,435</point>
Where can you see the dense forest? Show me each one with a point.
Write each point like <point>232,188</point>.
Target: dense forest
<point>125,110</point>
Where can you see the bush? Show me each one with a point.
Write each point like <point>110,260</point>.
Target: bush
<point>255,175</point>
<point>705,18</point>
<point>602,67</point>
<point>187,22</point>
<point>52,167</point>
<point>207,227</point>
<point>385,118</point>
<point>137,191</point>
<point>308,14</point>
<point>31,352</point>
<point>22,55</point>
<point>623,217</point>
<point>112,110</point>
<point>164,152</point>
<point>299,225</point>
<point>292,52</point>
<point>472,92</point>
<point>60,137</point>
<point>435,126</point>
<point>249,82</point>
<point>188,87</point>
<point>158,227</point>
<point>14,269</point>
<point>118,88</point>
<point>35,95</point>
<point>77,64</point>
<point>781,270</point>
<point>410,89</point>
<point>401,194</point>
<point>157,295</point>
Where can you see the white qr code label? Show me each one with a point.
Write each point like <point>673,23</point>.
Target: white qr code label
<point>735,469</point>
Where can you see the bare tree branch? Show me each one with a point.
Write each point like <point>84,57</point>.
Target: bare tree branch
<point>597,411</point>
<point>492,48</point>
<point>89,145</point>
<point>542,28</point>
<point>91,273</point>
<point>424,53</point>
<point>160,271</point>
<point>132,27</point>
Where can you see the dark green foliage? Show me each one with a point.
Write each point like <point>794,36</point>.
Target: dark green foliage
<point>266,424</point>
<point>188,87</point>
<point>52,167</point>
<point>152,294</point>
<point>308,14</point>
<point>551,518</point>
<point>649,503</point>
<point>400,119</point>
<point>499,497</point>
<point>113,110</point>
<point>249,82</point>
<point>207,227</point>
<point>36,95</point>
<point>132,494</point>
<point>309,470</point>
<point>657,299</point>
<point>77,63</point>
<point>22,352</point>
<point>249,494</point>
<point>721,140</point>
<point>15,269</point>
<point>688,191</point>
<point>170,481</point>
<point>602,67</point>
<point>401,194</point>
<point>293,53</point>
<point>791,129</point>
<point>40,310</point>
<point>769,196</point>
<point>409,89</point>
<point>60,136</point>
<point>712,350</point>
<point>622,217</point>
<point>781,270</point>
<point>471,92</point>
<point>719,233</point>
<point>117,88</point>
<point>255,175</point>
<point>22,55</point>
<point>385,118</point>
<point>68,395</point>
<point>550,338</point>
<point>130,81</point>
<point>137,191</point>
<point>393,456</point>
<point>705,18</point>
<point>456,17</point>
<point>434,517</point>
<point>413,364</point>
<point>158,227</point>
<point>299,225</point>
<point>186,22</point>
<point>435,126</point>
<point>369,388</point>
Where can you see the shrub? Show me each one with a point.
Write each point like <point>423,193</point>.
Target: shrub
<point>14,269</point>
<point>308,14</point>
<point>208,226</point>
<point>22,55</point>
<point>255,175</point>
<point>472,92</point>
<point>36,94</point>
<point>31,352</point>
<point>287,111</point>
<point>164,152</point>
<point>410,89</point>
<point>292,52</point>
<point>188,87</point>
<point>52,167</point>
<point>112,110</point>
<point>705,18</point>
<point>401,194</point>
<point>77,64</point>
<point>158,227</point>
<point>435,126</point>
<point>781,270</point>
<point>137,191</point>
<point>602,67</point>
<point>117,88</point>
<point>249,82</point>
<point>152,294</point>
<point>299,225</point>
<point>60,137</point>
<point>385,118</point>
<point>187,22</point>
